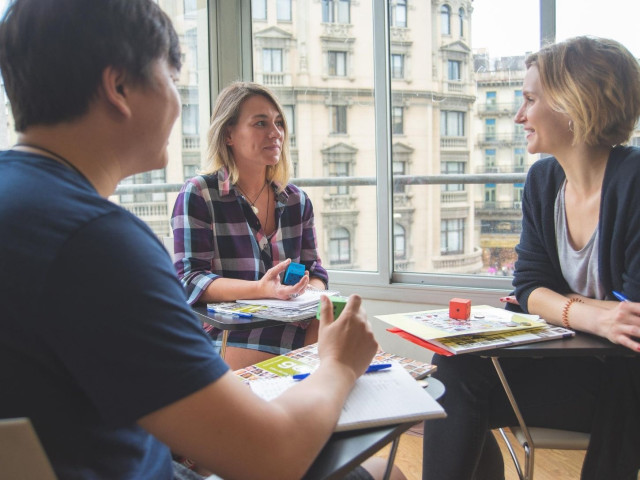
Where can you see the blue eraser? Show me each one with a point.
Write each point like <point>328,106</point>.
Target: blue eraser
<point>338,304</point>
<point>293,274</point>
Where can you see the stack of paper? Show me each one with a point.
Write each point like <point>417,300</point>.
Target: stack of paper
<point>487,328</point>
<point>311,297</point>
<point>386,397</point>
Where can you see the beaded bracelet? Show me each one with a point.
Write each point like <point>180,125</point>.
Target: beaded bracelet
<point>565,311</point>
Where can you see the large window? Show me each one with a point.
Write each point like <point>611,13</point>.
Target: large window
<point>339,246</point>
<point>452,236</point>
<point>330,56</point>
<point>336,11</point>
<point>283,10</point>
<point>397,66</point>
<point>337,66</point>
<point>259,9</point>
<point>451,124</point>
<point>454,70</point>
<point>338,119</point>
<point>445,20</point>
<point>398,13</point>
<point>272,60</point>
<point>397,120</point>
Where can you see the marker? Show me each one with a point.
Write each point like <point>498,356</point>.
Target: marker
<point>372,368</point>
<point>230,313</point>
<point>620,296</point>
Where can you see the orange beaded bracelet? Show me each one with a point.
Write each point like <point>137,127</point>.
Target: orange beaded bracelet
<point>565,311</point>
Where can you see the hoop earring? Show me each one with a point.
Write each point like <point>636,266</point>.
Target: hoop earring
<point>571,126</point>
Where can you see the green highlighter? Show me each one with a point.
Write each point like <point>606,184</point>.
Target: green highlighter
<point>338,305</point>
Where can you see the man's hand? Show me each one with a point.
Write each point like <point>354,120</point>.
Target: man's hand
<point>348,340</point>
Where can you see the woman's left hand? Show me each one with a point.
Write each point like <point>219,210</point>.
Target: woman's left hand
<point>271,286</point>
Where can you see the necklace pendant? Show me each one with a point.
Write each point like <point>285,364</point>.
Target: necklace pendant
<point>255,209</point>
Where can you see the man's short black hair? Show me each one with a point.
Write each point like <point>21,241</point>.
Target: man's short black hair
<point>53,52</point>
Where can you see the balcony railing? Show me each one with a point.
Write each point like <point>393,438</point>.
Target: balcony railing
<point>495,206</point>
<point>442,179</point>
<point>499,139</point>
<point>453,142</point>
<point>498,109</point>
<point>190,142</point>
<point>337,30</point>
<point>501,168</point>
<point>459,196</point>
<point>148,210</point>
<point>459,262</point>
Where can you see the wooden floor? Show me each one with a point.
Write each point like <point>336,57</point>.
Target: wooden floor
<point>549,464</point>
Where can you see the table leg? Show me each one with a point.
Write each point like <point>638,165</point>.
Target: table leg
<point>223,347</point>
<point>529,447</point>
<point>392,457</point>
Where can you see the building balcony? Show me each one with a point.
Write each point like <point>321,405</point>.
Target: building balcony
<point>455,143</point>
<point>402,200</point>
<point>501,139</point>
<point>190,143</point>
<point>455,196</point>
<point>402,265</point>
<point>501,168</point>
<point>339,202</point>
<point>497,109</point>
<point>148,211</point>
<point>337,30</point>
<point>499,208</point>
<point>459,263</point>
<point>400,35</point>
<point>274,79</point>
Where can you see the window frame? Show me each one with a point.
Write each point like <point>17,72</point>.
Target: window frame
<point>231,59</point>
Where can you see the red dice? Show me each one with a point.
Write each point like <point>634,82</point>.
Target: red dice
<point>460,308</point>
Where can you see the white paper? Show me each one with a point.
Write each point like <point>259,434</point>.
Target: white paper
<point>386,397</point>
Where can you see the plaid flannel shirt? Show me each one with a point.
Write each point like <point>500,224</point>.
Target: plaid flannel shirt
<point>216,234</point>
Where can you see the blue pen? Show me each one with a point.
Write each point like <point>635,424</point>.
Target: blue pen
<point>620,296</point>
<point>372,368</point>
<point>230,312</point>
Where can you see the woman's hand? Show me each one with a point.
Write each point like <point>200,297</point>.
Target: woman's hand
<point>621,324</point>
<point>270,284</point>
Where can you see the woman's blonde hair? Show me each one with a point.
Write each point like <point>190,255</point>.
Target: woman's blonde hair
<point>596,82</point>
<point>225,115</point>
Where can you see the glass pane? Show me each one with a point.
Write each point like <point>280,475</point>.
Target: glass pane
<point>616,19</point>
<point>327,79</point>
<point>458,106</point>
<point>187,142</point>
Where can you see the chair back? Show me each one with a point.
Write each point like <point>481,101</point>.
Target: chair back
<point>21,454</point>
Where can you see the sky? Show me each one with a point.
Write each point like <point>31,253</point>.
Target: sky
<point>512,27</point>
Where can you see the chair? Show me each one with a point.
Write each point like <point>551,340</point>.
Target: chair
<point>544,438</point>
<point>582,345</point>
<point>21,454</point>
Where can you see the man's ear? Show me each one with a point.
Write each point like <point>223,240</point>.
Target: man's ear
<point>115,88</point>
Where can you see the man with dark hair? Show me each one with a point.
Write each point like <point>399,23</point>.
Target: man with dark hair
<point>97,344</point>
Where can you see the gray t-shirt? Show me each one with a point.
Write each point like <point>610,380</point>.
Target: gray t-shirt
<point>579,267</point>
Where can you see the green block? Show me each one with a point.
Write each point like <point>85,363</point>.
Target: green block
<point>338,305</point>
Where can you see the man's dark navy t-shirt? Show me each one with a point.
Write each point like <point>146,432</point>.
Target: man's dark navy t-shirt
<point>95,331</point>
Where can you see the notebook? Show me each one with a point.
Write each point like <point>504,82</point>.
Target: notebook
<point>387,397</point>
<point>310,297</point>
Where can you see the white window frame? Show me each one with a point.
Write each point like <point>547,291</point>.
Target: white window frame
<point>231,58</point>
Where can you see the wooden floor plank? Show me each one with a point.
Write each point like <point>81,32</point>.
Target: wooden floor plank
<point>549,464</point>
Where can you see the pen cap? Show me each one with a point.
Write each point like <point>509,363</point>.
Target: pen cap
<point>338,304</point>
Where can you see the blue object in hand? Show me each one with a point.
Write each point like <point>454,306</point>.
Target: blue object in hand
<point>293,274</point>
